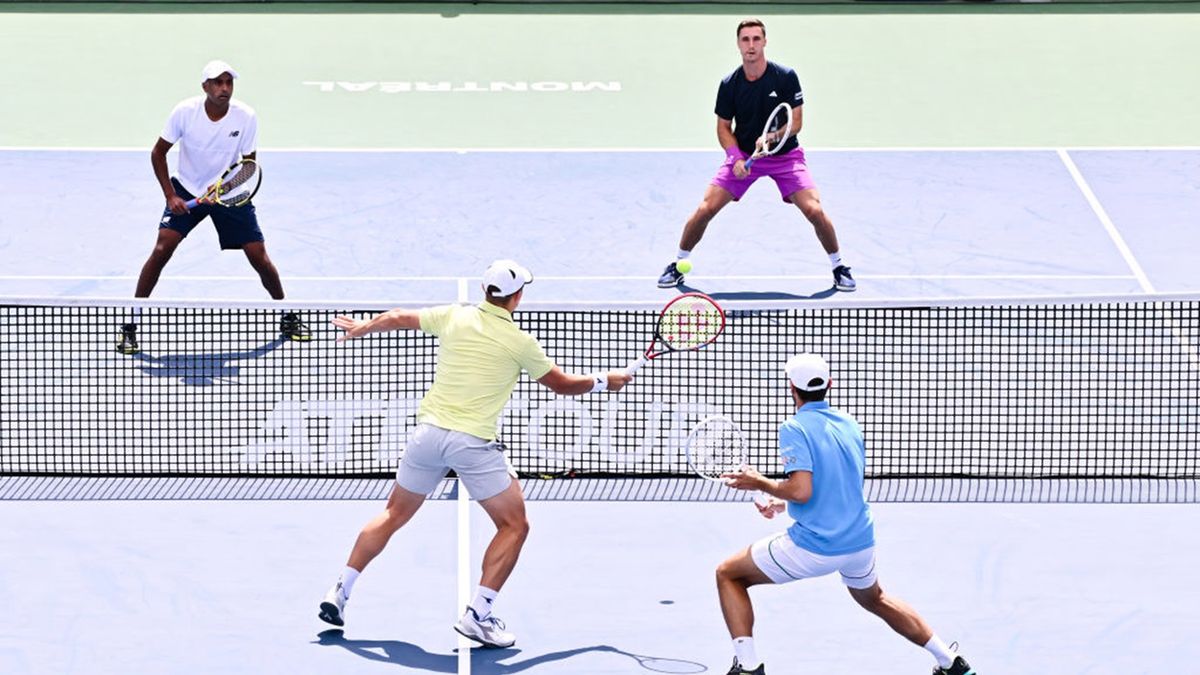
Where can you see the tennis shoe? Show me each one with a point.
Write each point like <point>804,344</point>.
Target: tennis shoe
<point>737,669</point>
<point>334,606</point>
<point>671,277</point>
<point>294,329</point>
<point>959,667</point>
<point>488,631</point>
<point>842,279</point>
<point>127,342</point>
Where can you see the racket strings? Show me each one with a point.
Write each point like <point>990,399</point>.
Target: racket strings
<point>780,120</point>
<point>234,187</point>
<point>717,449</point>
<point>687,325</point>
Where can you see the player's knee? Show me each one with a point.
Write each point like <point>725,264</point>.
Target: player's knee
<point>517,527</point>
<point>258,259</point>
<point>871,599</point>
<point>706,212</point>
<point>162,252</point>
<point>812,210</point>
<point>727,571</point>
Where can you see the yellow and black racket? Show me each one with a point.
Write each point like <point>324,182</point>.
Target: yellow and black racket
<point>235,187</point>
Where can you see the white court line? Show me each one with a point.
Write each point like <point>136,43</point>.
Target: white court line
<point>706,149</point>
<point>1127,254</point>
<point>1107,222</point>
<point>463,507</point>
<point>706,277</point>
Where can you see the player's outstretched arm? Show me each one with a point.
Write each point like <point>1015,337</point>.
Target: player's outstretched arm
<point>567,384</point>
<point>390,320</point>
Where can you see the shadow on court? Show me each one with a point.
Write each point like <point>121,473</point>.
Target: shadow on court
<point>760,295</point>
<point>485,661</point>
<point>202,370</point>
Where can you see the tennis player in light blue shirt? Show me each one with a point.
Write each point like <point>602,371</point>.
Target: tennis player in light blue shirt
<point>824,461</point>
<point>829,445</point>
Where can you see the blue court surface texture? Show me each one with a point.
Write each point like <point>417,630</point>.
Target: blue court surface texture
<point>232,586</point>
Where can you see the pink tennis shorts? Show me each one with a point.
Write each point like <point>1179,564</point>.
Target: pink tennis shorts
<point>788,170</point>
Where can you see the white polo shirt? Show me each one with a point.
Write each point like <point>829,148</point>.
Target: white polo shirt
<point>207,148</point>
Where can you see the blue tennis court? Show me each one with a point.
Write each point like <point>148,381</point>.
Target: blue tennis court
<point>381,189</point>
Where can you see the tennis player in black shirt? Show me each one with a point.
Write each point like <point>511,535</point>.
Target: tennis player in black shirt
<point>744,100</point>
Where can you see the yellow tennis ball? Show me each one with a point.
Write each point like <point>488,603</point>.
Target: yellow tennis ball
<point>684,266</point>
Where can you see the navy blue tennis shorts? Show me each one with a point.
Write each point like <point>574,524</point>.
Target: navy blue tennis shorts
<point>236,226</point>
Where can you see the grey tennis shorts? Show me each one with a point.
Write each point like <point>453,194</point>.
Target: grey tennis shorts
<point>433,451</point>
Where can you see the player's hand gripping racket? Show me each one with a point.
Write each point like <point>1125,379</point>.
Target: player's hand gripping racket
<point>717,446</point>
<point>776,132</point>
<point>688,322</point>
<point>235,187</point>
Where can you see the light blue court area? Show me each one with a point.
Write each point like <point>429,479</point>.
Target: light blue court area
<point>599,226</point>
<point>601,588</point>
<point>214,586</point>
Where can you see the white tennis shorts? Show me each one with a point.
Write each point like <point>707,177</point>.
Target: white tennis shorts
<point>783,561</point>
<point>433,451</point>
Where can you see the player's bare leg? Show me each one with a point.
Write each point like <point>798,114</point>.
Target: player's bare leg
<point>507,511</point>
<point>289,324</point>
<point>374,537</point>
<point>735,576</point>
<point>164,247</point>
<point>715,198</point>
<point>809,203</point>
<point>401,506</point>
<point>896,613</point>
<point>256,253</point>
<point>903,619</point>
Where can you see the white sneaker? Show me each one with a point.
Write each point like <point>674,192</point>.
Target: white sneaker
<point>488,631</point>
<point>333,606</point>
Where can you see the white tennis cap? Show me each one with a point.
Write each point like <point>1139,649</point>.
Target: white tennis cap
<point>506,275</point>
<point>808,372</point>
<point>213,69</point>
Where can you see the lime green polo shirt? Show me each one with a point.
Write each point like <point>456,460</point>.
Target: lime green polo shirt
<point>481,355</point>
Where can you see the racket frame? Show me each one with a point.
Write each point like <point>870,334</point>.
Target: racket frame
<point>650,354</point>
<point>695,433</point>
<point>211,195</point>
<point>763,150</point>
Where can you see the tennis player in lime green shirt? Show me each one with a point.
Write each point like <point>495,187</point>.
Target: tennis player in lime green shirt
<point>481,355</point>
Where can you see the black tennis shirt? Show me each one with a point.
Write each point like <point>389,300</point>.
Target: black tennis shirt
<point>749,103</point>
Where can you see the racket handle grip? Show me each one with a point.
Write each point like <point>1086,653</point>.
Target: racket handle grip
<point>191,203</point>
<point>635,366</point>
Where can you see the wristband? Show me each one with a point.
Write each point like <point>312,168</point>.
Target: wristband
<point>734,152</point>
<point>599,382</point>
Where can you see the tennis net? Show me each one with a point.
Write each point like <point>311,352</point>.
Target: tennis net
<point>1103,388</point>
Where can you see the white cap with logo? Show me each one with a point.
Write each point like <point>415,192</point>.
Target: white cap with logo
<point>213,70</point>
<point>808,372</point>
<point>507,276</point>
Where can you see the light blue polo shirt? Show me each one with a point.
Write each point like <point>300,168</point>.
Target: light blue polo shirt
<point>829,443</point>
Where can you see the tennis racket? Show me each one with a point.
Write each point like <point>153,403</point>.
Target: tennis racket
<point>776,132</point>
<point>688,322</point>
<point>235,187</point>
<point>717,446</point>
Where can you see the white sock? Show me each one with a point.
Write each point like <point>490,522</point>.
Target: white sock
<point>682,254</point>
<point>349,576</point>
<point>940,651</point>
<point>482,604</point>
<point>835,258</point>
<point>743,648</point>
